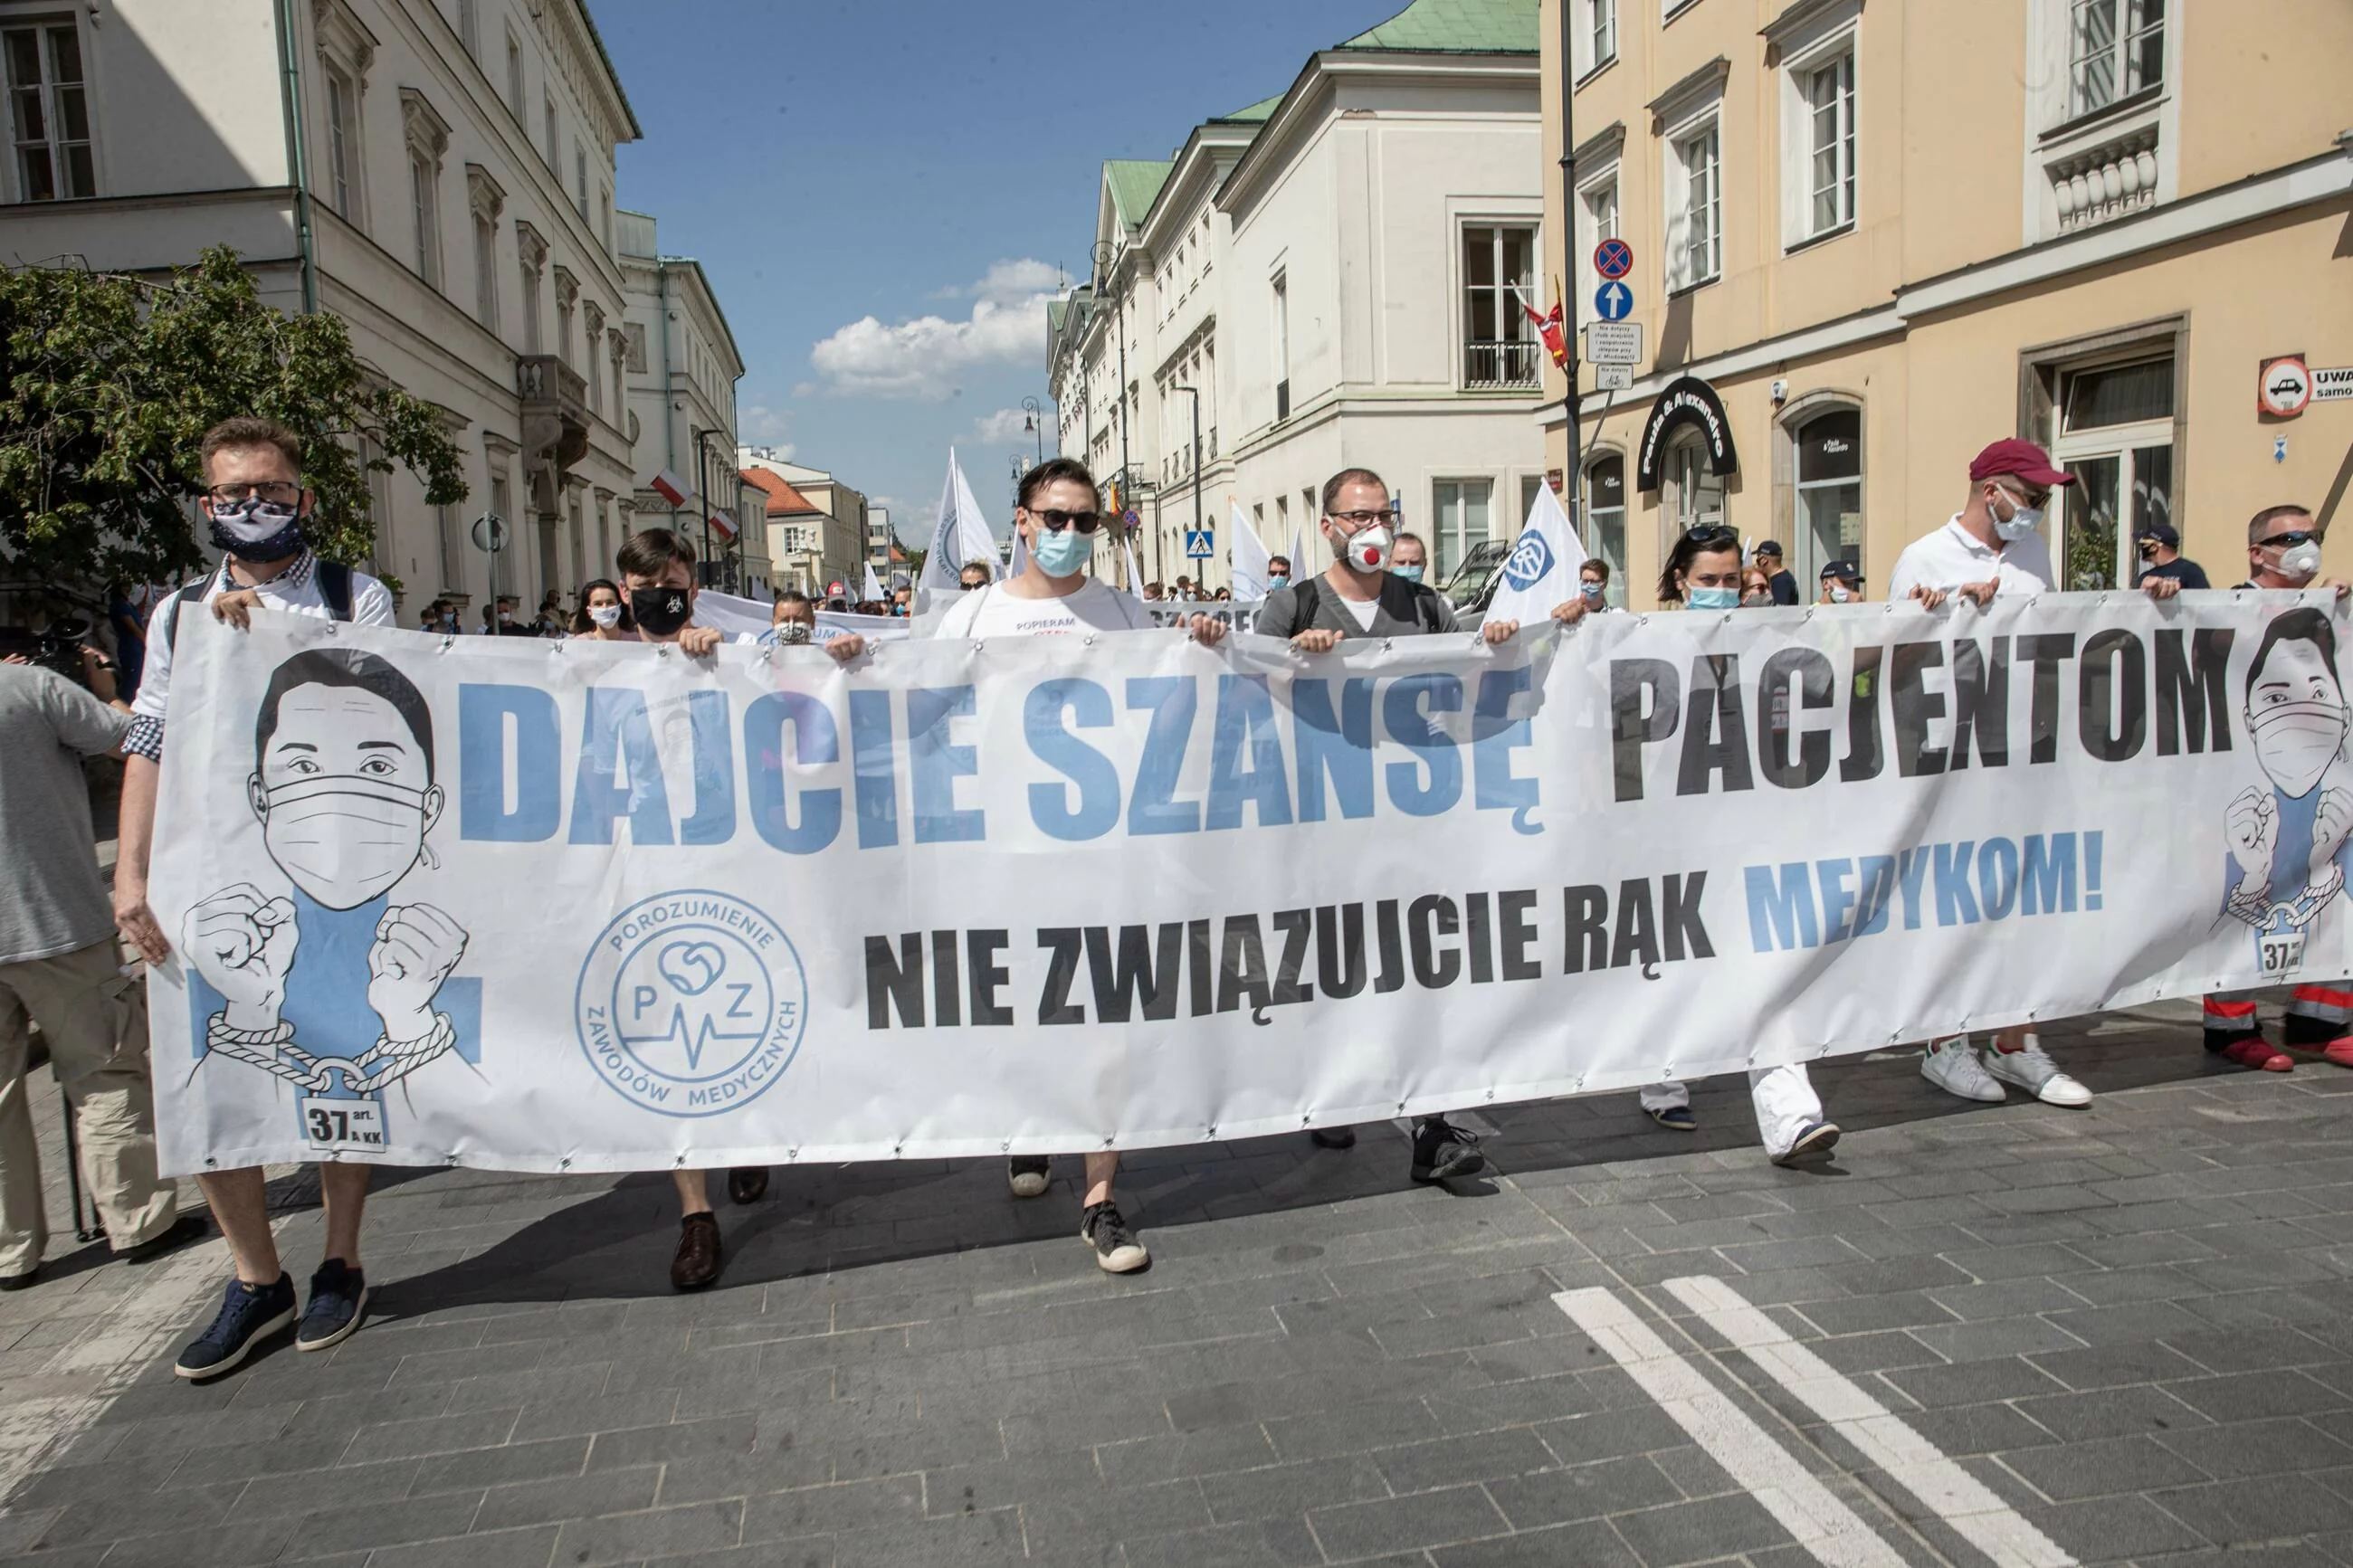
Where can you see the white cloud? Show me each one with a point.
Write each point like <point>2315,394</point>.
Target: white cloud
<point>924,357</point>
<point>761,426</point>
<point>1004,427</point>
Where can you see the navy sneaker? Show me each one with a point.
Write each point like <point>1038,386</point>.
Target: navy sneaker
<point>1442,1150</point>
<point>247,1313</point>
<point>338,1303</point>
<point>1677,1117</point>
<point>1813,1140</point>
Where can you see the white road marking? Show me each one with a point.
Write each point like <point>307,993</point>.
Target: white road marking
<point>1916,1464</point>
<point>1820,1523</point>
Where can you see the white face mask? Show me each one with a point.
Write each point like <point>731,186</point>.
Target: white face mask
<point>343,839</point>
<point>605,615</point>
<point>1367,552</point>
<point>1838,594</point>
<point>2295,741</point>
<point>2300,562</point>
<point>2021,522</point>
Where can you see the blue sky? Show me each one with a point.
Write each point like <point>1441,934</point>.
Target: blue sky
<point>883,192</point>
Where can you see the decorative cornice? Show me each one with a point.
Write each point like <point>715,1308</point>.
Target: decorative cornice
<point>1604,146</point>
<point>1798,20</point>
<point>483,192</point>
<point>530,246</point>
<point>427,131</point>
<point>343,39</point>
<point>567,286</point>
<point>1690,93</point>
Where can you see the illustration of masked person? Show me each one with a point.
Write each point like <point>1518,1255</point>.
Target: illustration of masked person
<point>2287,843</point>
<point>331,986</point>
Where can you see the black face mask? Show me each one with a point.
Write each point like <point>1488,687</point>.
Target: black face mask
<point>660,612</point>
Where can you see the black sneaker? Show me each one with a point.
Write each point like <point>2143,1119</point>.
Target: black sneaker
<point>339,1296</point>
<point>1116,1249</point>
<point>247,1312</point>
<point>1333,1137</point>
<point>1027,1174</point>
<point>1442,1152</point>
<point>182,1231</point>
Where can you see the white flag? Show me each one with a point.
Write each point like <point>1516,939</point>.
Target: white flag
<point>1542,569</point>
<point>1248,556</point>
<point>873,587</point>
<point>1299,566</point>
<point>961,537</point>
<point>1135,582</point>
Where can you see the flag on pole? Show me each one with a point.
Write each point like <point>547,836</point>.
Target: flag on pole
<point>961,536</point>
<point>1299,567</point>
<point>1135,582</point>
<point>873,585</point>
<point>1549,328</point>
<point>1541,571</point>
<point>722,524</point>
<point>671,488</point>
<point>1248,553</point>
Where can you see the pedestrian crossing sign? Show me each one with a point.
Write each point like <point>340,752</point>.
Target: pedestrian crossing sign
<point>1200,543</point>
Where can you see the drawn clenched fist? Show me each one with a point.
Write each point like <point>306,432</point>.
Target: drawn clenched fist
<point>2251,825</point>
<point>2330,823</point>
<point>416,948</point>
<point>242,942</point>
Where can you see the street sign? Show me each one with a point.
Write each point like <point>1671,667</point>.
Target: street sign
<point>833,590</point>
<point>1613,343</point>
<point>1613,258</point>
<point>1200,543</point>
<point>1613,301</point>
<point>2284,386</point>
<point>2332,385</point>
<point>489,533</point>
<point>1612,377</point>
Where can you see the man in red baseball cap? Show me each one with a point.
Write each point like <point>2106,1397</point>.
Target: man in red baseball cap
<point>1993,544</point>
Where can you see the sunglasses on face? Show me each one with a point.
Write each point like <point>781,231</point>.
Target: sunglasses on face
<point>1055,521</point>
<point>2037,499</point>
<point>2294,537</point>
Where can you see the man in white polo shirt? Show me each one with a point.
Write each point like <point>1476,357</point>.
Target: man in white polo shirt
<point>1992,545</point>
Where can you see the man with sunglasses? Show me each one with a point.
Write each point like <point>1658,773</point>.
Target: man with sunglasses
<point>1993,544</point>
<point>1059,519</point>
<point>255,505</point>
<point>1361,595</point>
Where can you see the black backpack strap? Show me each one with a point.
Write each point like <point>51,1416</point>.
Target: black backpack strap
<point>335,587</point>
<point>1304,602</point>
<point>179,603</point>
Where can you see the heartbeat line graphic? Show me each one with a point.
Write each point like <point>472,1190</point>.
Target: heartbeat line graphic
<point>694,1041</point>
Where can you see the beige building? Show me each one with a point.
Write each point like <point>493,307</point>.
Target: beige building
<point>1870,239</point>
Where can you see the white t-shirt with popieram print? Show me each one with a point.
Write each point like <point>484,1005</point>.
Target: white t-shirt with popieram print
<point>992,612</point>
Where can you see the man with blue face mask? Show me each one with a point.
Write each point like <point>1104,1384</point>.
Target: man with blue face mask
<point>1993,544</point>
<point>1278,572</point>
<point>1059,519</point>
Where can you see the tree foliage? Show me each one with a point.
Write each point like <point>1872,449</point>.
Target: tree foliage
<point>108,383</point>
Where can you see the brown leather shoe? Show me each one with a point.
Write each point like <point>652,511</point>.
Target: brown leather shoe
<point>697,1262</point>
<point>747,1184</point>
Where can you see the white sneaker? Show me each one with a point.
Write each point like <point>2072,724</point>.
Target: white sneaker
<point>2030,1069</point>
<point>1027,1174</point>
<point>1954,1067</point>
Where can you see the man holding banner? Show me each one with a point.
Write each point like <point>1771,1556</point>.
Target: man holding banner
<point>1060,509</point>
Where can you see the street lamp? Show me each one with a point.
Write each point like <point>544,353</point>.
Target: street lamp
<point>1034,425</point>
<point>1194,394</point>
<point>1017,472</point>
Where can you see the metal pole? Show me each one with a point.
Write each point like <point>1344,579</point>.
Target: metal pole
<point>1194,394</point>
<point>1572,479</point>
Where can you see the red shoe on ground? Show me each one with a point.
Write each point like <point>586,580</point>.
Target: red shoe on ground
<point>2340,1050</point>
<point>2256,1052</point>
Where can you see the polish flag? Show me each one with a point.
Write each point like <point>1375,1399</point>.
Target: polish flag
<point>671,488</point>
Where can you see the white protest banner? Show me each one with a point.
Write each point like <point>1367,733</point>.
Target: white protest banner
<point>593,906</point>
<point>741,617</point>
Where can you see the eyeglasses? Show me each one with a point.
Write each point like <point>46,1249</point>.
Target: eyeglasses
<point>274,491</point>
<point>968,587</point>
<point>2037,499</point>
<point>2294,536</point>
<point>1055,521</point>
<point>1705,535</point>
<point>1359,521</point>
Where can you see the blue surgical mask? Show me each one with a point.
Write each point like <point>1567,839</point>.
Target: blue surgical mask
<point>1712,599</point>
<point>1280,580</point>
<point>1410,573</point>
<point>1592,591</point>
<point>1061,554</point>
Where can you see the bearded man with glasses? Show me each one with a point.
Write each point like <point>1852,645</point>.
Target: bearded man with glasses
<point>1059,517</point>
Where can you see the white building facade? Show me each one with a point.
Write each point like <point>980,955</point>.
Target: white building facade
<point>1336,276</point>
<point>815,549</point>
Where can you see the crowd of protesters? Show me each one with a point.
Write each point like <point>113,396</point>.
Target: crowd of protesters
<point>59,963</point>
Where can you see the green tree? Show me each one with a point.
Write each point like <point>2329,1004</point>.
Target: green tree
<point>108,383</point>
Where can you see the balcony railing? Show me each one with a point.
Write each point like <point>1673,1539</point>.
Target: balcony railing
<point>2107,182</point>
<point>1503,363</point>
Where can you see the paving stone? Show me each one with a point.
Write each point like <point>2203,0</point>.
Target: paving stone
<point>1424,1520</point>
<point>2074,1471</point>
<point>1699,1531</point>
<point>1283,1490</point>
<point>658,1533</point>
<point>1582,1491</point>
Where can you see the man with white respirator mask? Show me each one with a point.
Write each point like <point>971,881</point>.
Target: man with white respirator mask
<point>1359,595</point>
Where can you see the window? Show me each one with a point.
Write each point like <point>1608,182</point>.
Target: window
<point>425,210</point>
<point>604,218</point>
<point>2114,49</point>
<point>1461,521</point>
<point>563,328</point>
<point>2116,436</point>
<point>448,539</point>
<point>1696,209</point>
<point>635,333</point>
<point>547,103</point>
<point>48,112</point>
<point>1697,491</point>
<point>1282,346</point>
<point>486,280</point>
<point>514,76</point>
<point>342,146</point>
<point>1600,32</point>
<point>1604,521</point>
<point>1597,216</point>
<point>1499,344</point>
<point>1829,114</point>
<point>469,26</point>
<point>530,253</point>
<point>594,319</point>
<point>1829,513</point>
<point>580,179</point>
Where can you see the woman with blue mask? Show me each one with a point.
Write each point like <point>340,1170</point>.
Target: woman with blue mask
<point>1704,572</point>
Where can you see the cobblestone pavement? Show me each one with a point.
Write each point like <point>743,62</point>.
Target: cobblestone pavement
<point>2114,1335</point>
